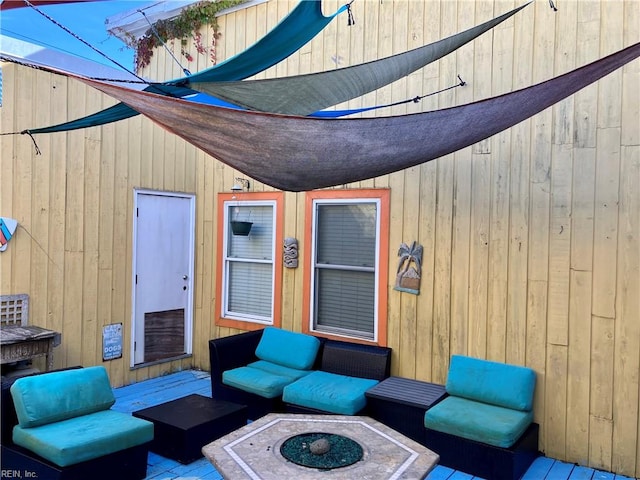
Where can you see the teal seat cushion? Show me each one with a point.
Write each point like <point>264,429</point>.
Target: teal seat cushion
<point>291,349</point>
<point>481,422</point>
<point>329,392</point>
<point>56,396</point>
<point>84,438</point>
<point>274,368</point>
<point>260,381</point>
<point>501,384</point>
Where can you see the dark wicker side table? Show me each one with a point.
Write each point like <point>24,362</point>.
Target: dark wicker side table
<point>183,426</point>
<point>401,404</point>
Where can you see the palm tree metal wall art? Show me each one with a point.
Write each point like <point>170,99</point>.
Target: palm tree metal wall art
<point>409,268</point>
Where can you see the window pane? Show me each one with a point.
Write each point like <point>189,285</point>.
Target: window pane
<point>249,285</point>
<point>346,234</point>
<point>250,289</point>
<point>345,300</point>
<point>259,243</point>
<point>345,277</point>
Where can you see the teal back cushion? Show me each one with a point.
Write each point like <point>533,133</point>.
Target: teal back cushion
<point>56,396</point>
<point>508,386</point>
<point>291,349</point>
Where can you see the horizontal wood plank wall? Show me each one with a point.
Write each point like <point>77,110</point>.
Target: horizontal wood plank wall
<point>531,238</point>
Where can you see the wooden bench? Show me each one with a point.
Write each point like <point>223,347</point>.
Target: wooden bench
<point>19,341</point>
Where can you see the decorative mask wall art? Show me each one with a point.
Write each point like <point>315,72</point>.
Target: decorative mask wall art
<point>290,252</point>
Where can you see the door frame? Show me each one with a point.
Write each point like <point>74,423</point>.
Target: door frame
<point>189,313</point>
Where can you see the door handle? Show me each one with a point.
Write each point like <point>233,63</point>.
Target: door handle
<point>185,277</point>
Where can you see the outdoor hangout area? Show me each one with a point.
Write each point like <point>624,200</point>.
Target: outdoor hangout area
<point>274,239</point>
<point>315,409</point>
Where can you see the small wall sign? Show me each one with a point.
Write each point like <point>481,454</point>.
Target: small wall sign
<point>112,342</point>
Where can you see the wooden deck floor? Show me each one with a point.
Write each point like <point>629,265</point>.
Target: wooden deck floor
<point>159,390</point>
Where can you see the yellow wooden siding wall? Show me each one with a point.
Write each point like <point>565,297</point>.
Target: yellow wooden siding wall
<point>531,238</point>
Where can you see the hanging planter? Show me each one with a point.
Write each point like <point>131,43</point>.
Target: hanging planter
<point>241,228</point>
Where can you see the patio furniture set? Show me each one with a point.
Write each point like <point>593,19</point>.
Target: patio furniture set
<point>480,422</point>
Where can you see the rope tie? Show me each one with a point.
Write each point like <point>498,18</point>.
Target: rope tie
<point>350,19</point>
<point>44,68</point>
<point>461,83</point>
<point>417,99</point>
<point>28,3</point>
<point>157,35</point>
<point>27,132</point>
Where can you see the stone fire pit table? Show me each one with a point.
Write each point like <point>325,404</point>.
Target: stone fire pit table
<point>253,451</point>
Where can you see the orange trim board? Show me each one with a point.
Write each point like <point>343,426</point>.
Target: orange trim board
<point>384,196</point>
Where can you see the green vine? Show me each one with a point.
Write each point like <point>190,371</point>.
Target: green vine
<point>183,27</point>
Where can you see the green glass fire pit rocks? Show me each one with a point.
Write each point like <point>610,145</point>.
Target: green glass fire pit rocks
<point>324,451</point>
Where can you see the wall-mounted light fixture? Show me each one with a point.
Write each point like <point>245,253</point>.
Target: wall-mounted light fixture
<point>241,185</point>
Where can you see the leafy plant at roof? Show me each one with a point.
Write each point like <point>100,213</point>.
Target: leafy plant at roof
<point>184,26</point>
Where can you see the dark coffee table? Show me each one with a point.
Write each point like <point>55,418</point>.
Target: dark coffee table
<point>402,402</point>
<point>183,426</point>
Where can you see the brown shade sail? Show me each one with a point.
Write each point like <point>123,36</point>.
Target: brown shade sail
<point>301,153</point>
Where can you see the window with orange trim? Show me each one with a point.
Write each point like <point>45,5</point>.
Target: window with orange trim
<point>347,264</point>
<point>249,260</point>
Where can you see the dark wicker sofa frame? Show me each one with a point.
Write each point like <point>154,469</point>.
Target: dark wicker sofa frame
<point>334,356</point>
<point>128,464</point>
<point>236,351</point>
<point>483,460</point>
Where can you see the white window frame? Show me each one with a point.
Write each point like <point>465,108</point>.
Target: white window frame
<point>229,205</point>
<point>376,270</point>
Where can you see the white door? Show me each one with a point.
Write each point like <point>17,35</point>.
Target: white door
<point>162,276</point>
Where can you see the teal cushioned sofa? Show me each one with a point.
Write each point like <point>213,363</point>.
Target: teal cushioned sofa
<point>245,372</point>
<point>66,428</point>
<point>283,358</point>
<point>344,374</point>
<point>485,425</point>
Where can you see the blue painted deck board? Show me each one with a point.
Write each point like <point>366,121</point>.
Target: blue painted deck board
<point>600,475</point>
<point>581,473</point>
<point>560,471</point>
<point>176,385</point>
<point>440,473</point>
<point>136,397</point>
<point>539,469</point>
